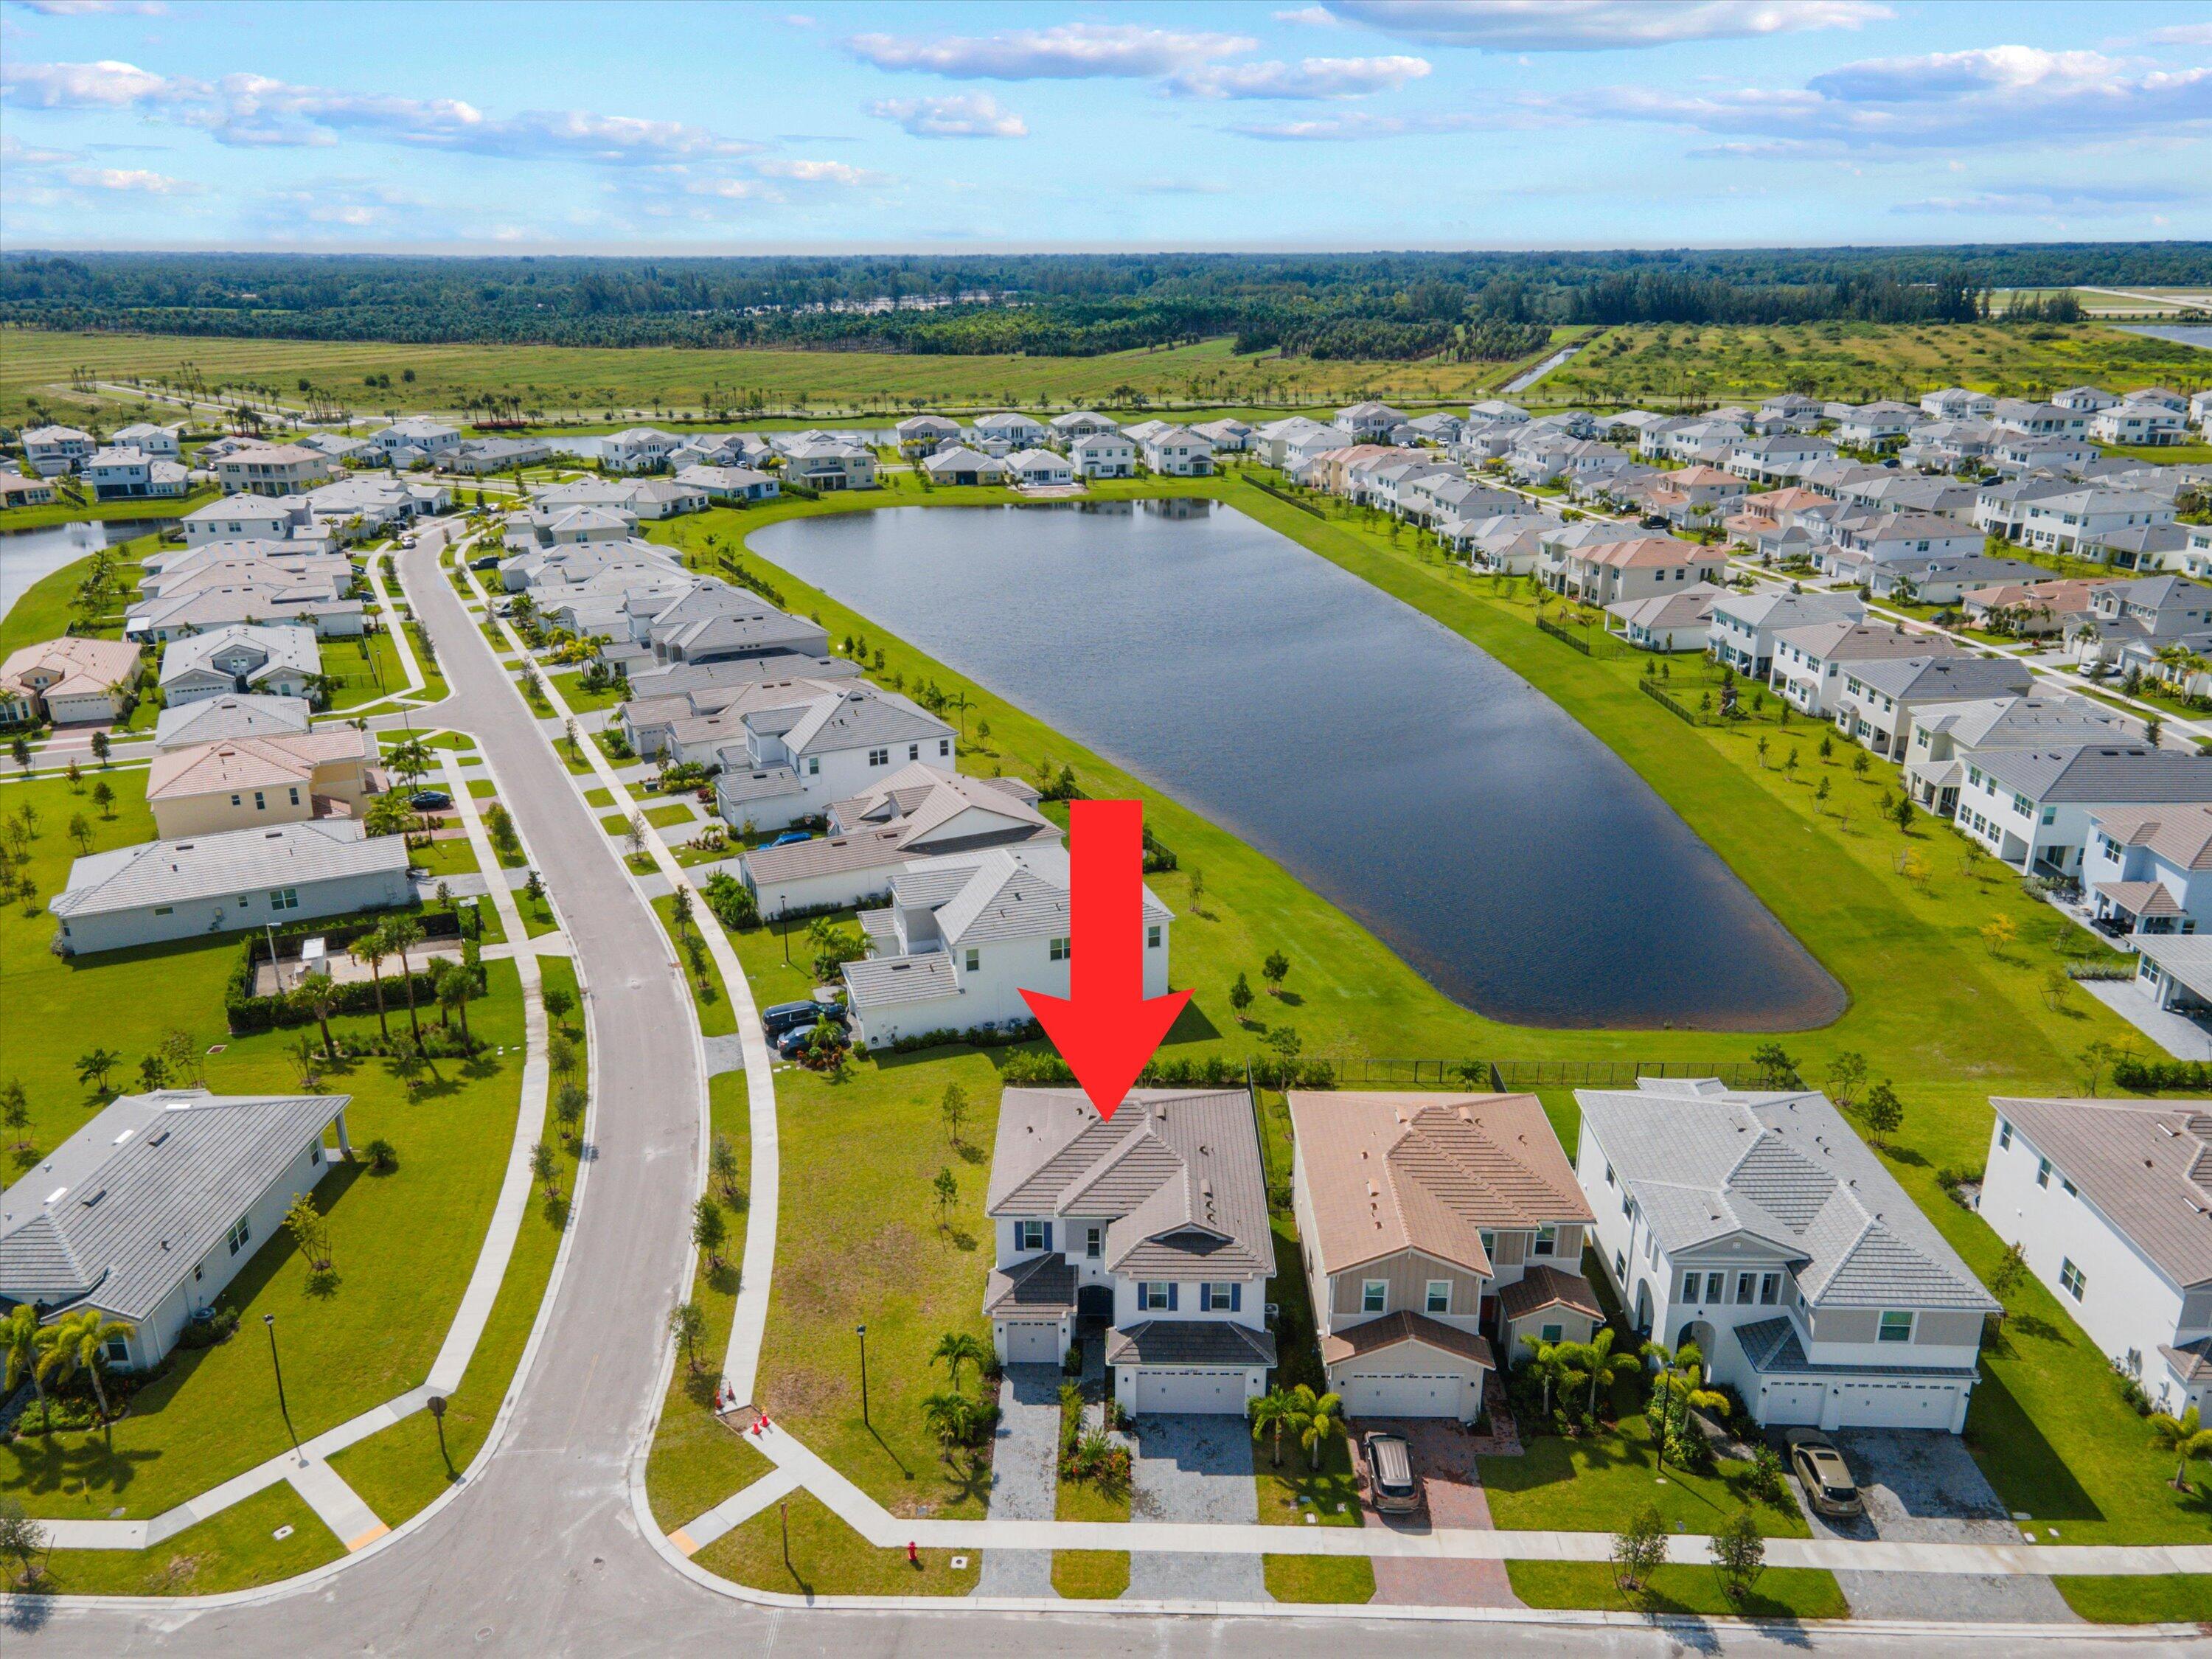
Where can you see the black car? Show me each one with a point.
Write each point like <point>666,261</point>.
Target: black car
<point>430,800</point>
<point>798,1017</point>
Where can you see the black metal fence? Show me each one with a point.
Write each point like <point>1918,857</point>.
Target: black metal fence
<point>1589,639</point>
<point>1515,1076</point>
<point>1285,497</point>
<point>1672,704</point>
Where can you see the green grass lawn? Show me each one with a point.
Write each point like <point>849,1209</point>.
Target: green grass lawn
<point>697,1460</point>
<point>716,1016</point>
<point>1782,1593</point>
<point>570,684</point>
<point>2172,1598</point>
<point>234,1550</point>
<point>537,917</point>
<point>482,789</point>
<point>1090,1575</point>
<point>448,855</point>
<point>365,670</point>
<point>400,1470</point>
<point>600,798</point>
<point>826,1557</point>
<point>1319,1578</point>
<point>65,511</point>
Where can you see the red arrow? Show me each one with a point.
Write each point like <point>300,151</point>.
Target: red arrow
<point>1108,1029</point>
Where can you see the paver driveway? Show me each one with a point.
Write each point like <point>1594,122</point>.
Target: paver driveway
<point>1194,1468</point>
<point>1024,1477</point>
<point>1452,1497</point>
<point>1924,1487</point>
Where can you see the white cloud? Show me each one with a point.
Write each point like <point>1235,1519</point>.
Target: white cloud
<point>1067,51</point>
<point>2043,200</point>
<point>1320,17</point>
<point>1598,25</point>
<point>94,8</point>
<point>1358,125</point>
<point>134,180</point>
<point>820,172</point>
<point>1314,77</point>
<point>2184,35</point>
<point>967,115</point>
<point>256,110</point>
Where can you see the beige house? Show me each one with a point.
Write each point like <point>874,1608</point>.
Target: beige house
<point>241,782</point>
<point>68,681</point>
<point>274,470</point>
<point>1437,1230</point>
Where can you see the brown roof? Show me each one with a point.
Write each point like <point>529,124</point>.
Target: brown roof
<point>1546,1287</point>
<point>2192,1361</point>
<point>1649,550</point>
<point>79,666</point>
<point>2139,899</point>
<point>2146,1165</point>
<point>2182,835</point>
<point>1373,1335</point>
<point>1391,1172</point>
<point>256,762</point>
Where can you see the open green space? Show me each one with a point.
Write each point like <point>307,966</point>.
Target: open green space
<point>2178,1598</point>
<point>1090,1575</point>
<point>1782,1593</point>
<point>448,855</point>
<point>570,684</point>
<point>798,1548</point>
<point>363,670</point>
<point>237,1549</point>
<point>698,1460</point>
<point>87,511</point>
<point>716,1016</point>
<point>48,609</point>
<point>1319,1578</point>
<point>403,1243</point>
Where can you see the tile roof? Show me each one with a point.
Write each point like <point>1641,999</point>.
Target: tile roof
<point>1703,1163</point>
<point>1043,1284</point>
<point>1773,1348</point>
<point>81,666</point>
<point>2180,835</point>
<point>1391,1172</point>
<point>204,866</point>
<point>238,714</point>
<point>2146,1164</point>
<point>124,1209</point>
<point>1374,1335</point>
<point>1189,1342</point>
<point>1174,1174</point>
<point>1543,1285</point>
<point>880,981</point>
<point>230,763</point>
<point>2101,772</point>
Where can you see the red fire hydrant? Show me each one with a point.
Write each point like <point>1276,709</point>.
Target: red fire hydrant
<point>913,1558</point>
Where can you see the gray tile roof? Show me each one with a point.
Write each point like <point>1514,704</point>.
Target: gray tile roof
<point>1174,1174</point>
<point>1940,679</point>
<point>1773,1348</point>
<point>2146,1164</point>
<point>879,981</point>
<point>1043,1284</point>
<point>127,1206</point>
<point>241,714</point>
<point>236,861</point>
<point>2101,772</point>
<point>1189,1342</point>
<point>1704,1164</point>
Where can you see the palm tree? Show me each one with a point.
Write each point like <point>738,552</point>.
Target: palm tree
<point>455,986</point>
<point>1554,1364</point>
<point>2185,1435</point>
<point>78,1342</point>
<point>950,1417</point>
<point>1604,1365</point>
<point>403,934</point>
<point>19,1339</point>
<point>371,948</point>
<point>320,993</point>
<point>1681,1388</point>
<point>1318,1419</point>
<point>1271,1413</point>
<point>956,1349</point>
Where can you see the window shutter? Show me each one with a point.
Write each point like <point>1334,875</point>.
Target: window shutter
<point>1171,1295</point>
<point>1236,1298</point>
<point>1048,1235</point>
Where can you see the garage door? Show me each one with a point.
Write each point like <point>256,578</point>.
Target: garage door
<point>1032,1344</point>
<point>1406,1395</point>
<point>1162,1390</point>
<point>1794,1402</point>
<point>1898,1406</point>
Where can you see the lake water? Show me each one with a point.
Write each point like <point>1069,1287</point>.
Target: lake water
<point>2194,334</point>
<point>1503,851</point>
<point>27,557</point>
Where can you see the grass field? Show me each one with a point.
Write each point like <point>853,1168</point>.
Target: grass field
<point>2175,1598</point>
<point>1657,365</point>
<point>1780,1594</point>
<point>825,1557</point>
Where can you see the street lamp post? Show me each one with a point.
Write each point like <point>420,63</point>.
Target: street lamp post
<point>269,1324</point>
<point>436,1406</point>
<point>862,1332</point>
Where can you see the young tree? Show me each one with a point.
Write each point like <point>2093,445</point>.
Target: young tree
<point>1998,933</point>
<point>559,1001</point>
<point>722,1168</point>
<point>74,774</point>
<point>310,1232</point>
<point>1639,1549</point>
<point>1318,1417</point>
<point>953,1108</point>
<point>956,1348</point>
<point>15,1110</point>
<point>1240,997</point>
<point>1903,812</point>
<point>546,1167</point>
<point>153,1074</point>
<point>568,1102</point>
<point>1860,763</point>
<point>679,907</point>
<point>2011,1269</point>
<point>1883,1112</point>
<point>1739,1554</point>
<point>560,1055</point>
<point>456,984</point>
<point>2185,1437</point>
<point>101,745</point>
<point>21,1540</point>
<point>320,992</point>
<point>1777,1070</point>
<point>687,1323</point>
<point>1197,889</point>
<point>947,1193</point>
<point>1275,969</point>
<point>21,749</point>
<point>710,1229</point>
<point>93,1065</point>
<point>1846,1071</point>
<point>2095,1057</point>
<point>402,934</point>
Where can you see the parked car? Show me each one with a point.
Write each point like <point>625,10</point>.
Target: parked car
<point>1820,1469</point>
<point>791,838</point>
<point>1391,1487</point>
<point>430,800</point>
<point>797,1016</point>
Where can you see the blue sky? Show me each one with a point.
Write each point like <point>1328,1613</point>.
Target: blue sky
<point>1322,123</point>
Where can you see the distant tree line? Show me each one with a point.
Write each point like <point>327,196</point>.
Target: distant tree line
<point>1366,305</point>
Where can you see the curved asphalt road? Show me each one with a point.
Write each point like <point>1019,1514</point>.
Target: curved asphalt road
<point>541,1554</point>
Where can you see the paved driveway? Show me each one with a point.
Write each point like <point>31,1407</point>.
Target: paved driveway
<point>1451,1497</point>
<point>1194,1468</point>
<point>1925,1488</point>
<point>1024,1477</point>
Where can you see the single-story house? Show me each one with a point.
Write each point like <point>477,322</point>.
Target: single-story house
<point>69,682</point>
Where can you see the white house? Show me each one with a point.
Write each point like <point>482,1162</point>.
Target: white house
<point>1759,1227</point>
<point>1678,620</point>
<point>1078,423</point>
<point>171,889</point>
<point>2084,400</point>
<point>279,661</point>
<point>817,741</point>
<point>1370,422</point>
<point>1809,663</point>
<point>963,465</point>
<point>245,518</point>
<point>1151,1227</point>
<point>1039,468</point>
<point>150,1209</point>
<point>2144,422</point>
<point>921,435</point>
<point>234,715</point>
<point>54,450</point>
<point>965,934</point>
<point>433,438</point>
<point>1177,453</point>
<point>1104,455</point>
<point>274,470</point>
<point>1945,737</point>
<point>2033,807</point>
<point>2107,1200</point>
<point>2149,869</point>
<point>2076,521</point>
<point>1956,402</point>
<point>1437,1231</point>
<point>1745,626</point>
<point>838,464</point>
<point>118,474</point>
<point>1880,696</point>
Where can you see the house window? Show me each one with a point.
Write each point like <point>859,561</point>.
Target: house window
<point>1094,1242</point>
<point>1769,1289</point>
<point>241,1233</point>
<point>1219,1299</point>
<point>1375,1296</point>
<point>1620,1267</point>
<point>2071,1278</point>
<point>945,745</point>
<point>1552,1333</point>
<point>1029,1235</point>
<point>879,757</point>
<point>2043,1172</point>
<point>1150,1297</point>
<point>165,909</point>
<point>1058,950</point>
<point>2004,1136</point>
<point>975,959</point>
<point>1438,1299</point>
<point>1547,1241</point>
<point>1691,1285</point>
<point>1489,1243</point>
<point>295,794</point>
<point>1716,1286</point>
<point>283,898</point>
<point>1897,1327</point>
<point>118,1350</point>
<point>1152,937</point>
<point>2068,1185</point>
<point>260,801</point>
<point>1608,1175</point>
<point>1744,1283</point>
<point>814,766</point>
<point>236,800</point>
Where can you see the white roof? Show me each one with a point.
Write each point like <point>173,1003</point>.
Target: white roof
<point>235,861</point>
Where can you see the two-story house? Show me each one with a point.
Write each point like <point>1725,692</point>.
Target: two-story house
<point>1945,737</point>
<point>1745,626</point>
<point>2033,807</point>
<point>1149,1228</point>
<point>2148,870</point>
<point>1438,1231</point>
<point>1759,1227</point>
<point>274,470</point>
<point>1879,697</point>
<point>966,933</point>
<point>54,450</point>
<point>1104,455</point>
<point>1177,453</point>
<point>432,438</point>
<point>2111,1203</point>
<point>1808,664</point>
<point>1015,431</point>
